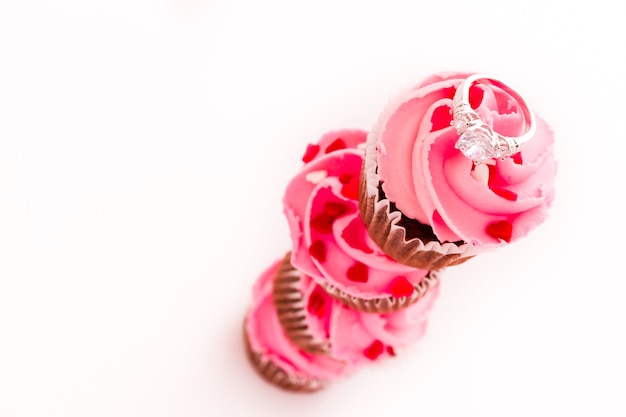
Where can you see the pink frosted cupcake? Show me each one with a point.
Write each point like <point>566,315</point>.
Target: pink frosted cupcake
<point>330,242</point>
<point>320,324</point>
<point>273,354</point>
<point>429,206</point>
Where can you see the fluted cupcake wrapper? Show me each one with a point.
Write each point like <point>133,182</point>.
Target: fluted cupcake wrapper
<point>274,374</point>
<point>382,223</point>
<point>291,308</point>
<point>384,305</point>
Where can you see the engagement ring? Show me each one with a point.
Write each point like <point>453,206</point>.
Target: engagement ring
<point>478,141</point>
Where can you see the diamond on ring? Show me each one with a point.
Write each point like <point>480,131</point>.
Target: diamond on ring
<point>477,140</point>
<point>476,145</point>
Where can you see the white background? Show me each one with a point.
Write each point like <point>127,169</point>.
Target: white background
<point>144,150</point>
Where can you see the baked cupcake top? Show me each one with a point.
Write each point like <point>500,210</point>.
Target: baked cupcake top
<point>429,180</point>
<point>330,242</point>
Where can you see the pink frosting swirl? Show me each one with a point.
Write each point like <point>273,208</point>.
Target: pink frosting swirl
<point>330,242</point>
<point>430,181</point>
<point>358,337</point>
<point>267,337</point>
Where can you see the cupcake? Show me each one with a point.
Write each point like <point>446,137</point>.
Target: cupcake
<point>295,302</point>
<point>427,205</point>
<point>273,354</point>
<point>320,324</point>
<point>329,240</point>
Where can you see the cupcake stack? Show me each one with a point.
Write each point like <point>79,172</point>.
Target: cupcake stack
<point>376,218</point>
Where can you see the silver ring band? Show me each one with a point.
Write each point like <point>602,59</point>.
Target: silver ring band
<point>477,140</point>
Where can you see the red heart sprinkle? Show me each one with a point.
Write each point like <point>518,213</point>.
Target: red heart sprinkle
<point>390,351</point>
<point>449,92</point>
<point>323,223</point>
<point>336,145</point>
<point>335,209</point>
<point>317,302</point>
<point>355,235</point>
<point>351,189</point>
<point>374,350</point>
<point>441,118</point>
<point>517,158</point>
<point>500,230</point>
<point>504,193</point>
<point>318,251</point>
<point>475,96</point>
<point>492,173</point>
<point>310,153</point>
<point>400,287</point>
<point>345,178</point>
<point>357,272</point>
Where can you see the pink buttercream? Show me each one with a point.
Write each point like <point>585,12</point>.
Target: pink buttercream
<point>330,242</point>
<point>431,181</point>
<point>266,337</point>
<point>358,337</point>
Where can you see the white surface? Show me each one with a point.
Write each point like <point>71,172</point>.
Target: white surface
<point>144,149</point>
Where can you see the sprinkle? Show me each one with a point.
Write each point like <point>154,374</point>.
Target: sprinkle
<point>323,223</point>
<point>391,351</point>
<point>310,153</point>
<point>441,118</point>
<point>316,176</point>
<point>351,189</point>
<point>374,350</point>
<point>400,287</point>
<point>500,230</point>
<point>504,193</point>
<point>492,173</point>
<point>318,251</point>
<point>336,145</point>
<point>317,303</point>
<point>335,210</point>
<point>356,236</point>
<point>449,92</point>
<point>517,158</point>
<point>357,272</point>
<point>345,178</point>
<point>475,96</point>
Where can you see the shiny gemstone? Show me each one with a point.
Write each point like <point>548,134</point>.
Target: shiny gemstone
<point>459,125</point>
<point>476,145</point>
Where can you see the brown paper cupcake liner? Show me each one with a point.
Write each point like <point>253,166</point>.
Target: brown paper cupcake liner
<point>274,374</point>
<point>291,308</point>
<point>383,223</point>
<point>384,305</point>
